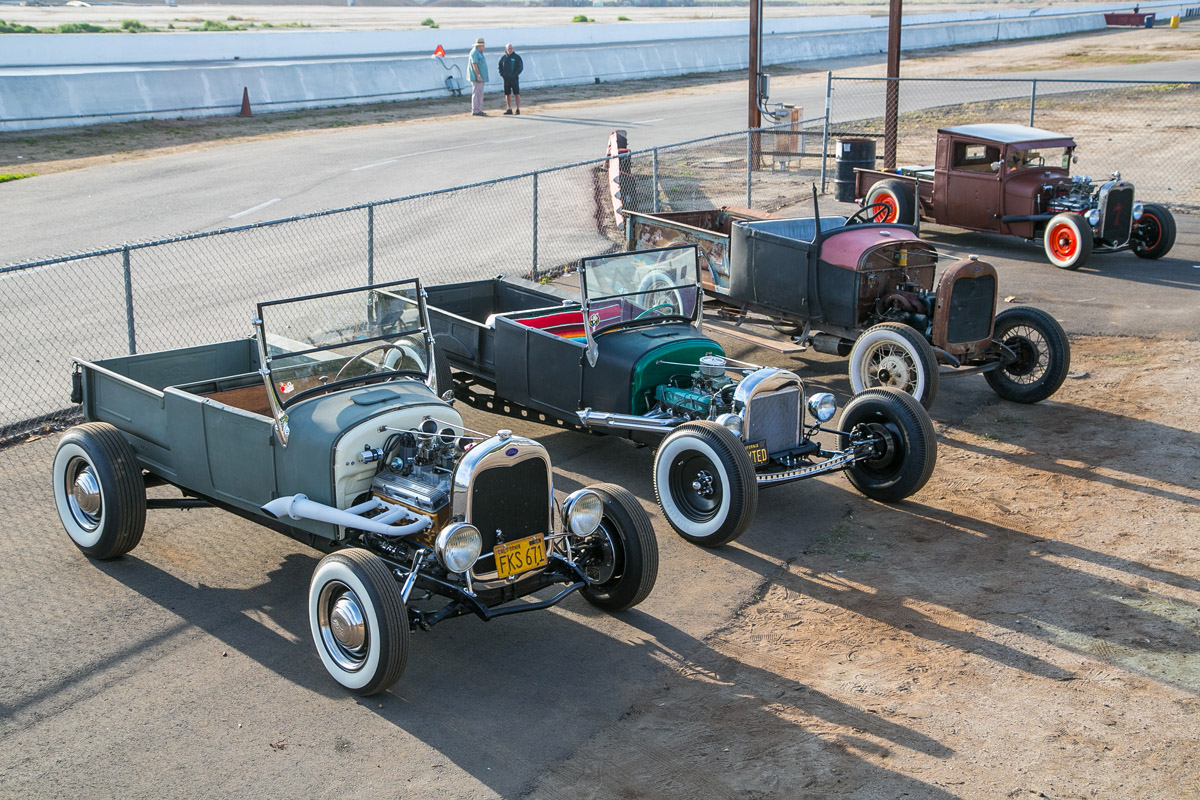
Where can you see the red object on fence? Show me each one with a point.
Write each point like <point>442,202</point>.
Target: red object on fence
<point>245,112</point>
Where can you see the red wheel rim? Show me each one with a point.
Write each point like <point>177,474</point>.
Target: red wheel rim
<point>1150,224</point>
<point>1064,242</point>
<point>893,211</point>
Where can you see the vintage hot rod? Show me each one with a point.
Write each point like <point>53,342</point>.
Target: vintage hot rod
<point>323,427</point>
<point>627,356</point>
<point>1016,180</point>
<point>850,287</point>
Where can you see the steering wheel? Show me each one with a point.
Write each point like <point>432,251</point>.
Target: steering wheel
<point>868,213</point>
<point>668,305</point>
<point>384,346</point>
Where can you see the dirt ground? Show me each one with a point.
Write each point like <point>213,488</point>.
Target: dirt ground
<point>1026,626</point>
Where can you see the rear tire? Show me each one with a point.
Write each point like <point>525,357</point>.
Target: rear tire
<point>99,490</point>
<point>624,565</point>
<point>1043,355</point>
<point>898,196</point>
<point>704,482</point>
<point>358,621</point>
<point>904,441</point>
<point>895,355</point>
<point>1067,240</point>
<point>1154,233</point>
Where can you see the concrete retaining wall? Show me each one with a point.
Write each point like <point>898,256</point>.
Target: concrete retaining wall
<point>79,79</point>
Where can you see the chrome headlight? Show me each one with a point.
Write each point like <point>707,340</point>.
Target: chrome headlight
<point>582,512</point>
<point>1137,210</point>
<point>731,421</point>
<point>458,546</point>
<point>1093,217</point>
<point>822,406</point>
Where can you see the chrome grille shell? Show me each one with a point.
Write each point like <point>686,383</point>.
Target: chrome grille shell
<point>773,408</point>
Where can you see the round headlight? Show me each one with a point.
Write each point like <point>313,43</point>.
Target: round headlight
<point>822,406</point>
<point>583,511</point>
<point>458,546</point>
<point>1138,210</point>
<point>1093,217</point>
<point>731,421</point>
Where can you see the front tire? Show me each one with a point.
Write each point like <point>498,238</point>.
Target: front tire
<point>358,621</point>
<point>1154,233</point>
<point>1067,240</point>
<point>898,198</point>
<point>441,378</point>
<point>902,440</point>
<point>1043,355</point>
<point>99,490</point>
<point>704,482</point>
<point>621,557</point>
<point>896,356</point>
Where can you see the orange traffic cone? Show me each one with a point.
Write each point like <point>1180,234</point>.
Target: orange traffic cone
<point>245,112</point>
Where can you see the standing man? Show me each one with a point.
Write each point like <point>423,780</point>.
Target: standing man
<point>477,72</point>
<point>510,69</point>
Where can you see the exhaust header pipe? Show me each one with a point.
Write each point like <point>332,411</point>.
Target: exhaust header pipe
<point>628,421</point>
<point>298,506</point>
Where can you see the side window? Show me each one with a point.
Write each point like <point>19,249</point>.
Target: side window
<point>974,157</point>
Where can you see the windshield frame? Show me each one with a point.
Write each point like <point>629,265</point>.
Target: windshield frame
<point>418,341</point>
<point>592,304</point>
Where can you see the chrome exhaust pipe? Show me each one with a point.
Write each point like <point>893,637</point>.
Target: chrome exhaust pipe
<point>628,422</point>
<point>298,506</point>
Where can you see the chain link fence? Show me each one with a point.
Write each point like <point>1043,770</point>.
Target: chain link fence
<point>1145,130</point>
<point>203,287</point>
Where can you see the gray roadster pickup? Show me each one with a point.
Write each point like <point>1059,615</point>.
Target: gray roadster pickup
<point>324,427</point>
<point>627,356</point>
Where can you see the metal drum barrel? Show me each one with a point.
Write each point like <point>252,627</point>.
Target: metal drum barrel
<point>851,153</point>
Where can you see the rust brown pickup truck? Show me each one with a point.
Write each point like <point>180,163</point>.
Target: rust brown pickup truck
<point>1016,180</point>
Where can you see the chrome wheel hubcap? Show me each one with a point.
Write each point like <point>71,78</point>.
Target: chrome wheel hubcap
<point>84,494</point>
<point>343,626</point>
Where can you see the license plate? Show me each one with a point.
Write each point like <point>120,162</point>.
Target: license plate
<point>758,453</point>
<point>513,558</point>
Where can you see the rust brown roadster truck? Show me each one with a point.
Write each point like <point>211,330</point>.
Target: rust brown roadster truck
<point>1016,180</point>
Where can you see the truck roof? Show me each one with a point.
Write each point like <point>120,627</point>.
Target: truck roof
<point>1006,133</point>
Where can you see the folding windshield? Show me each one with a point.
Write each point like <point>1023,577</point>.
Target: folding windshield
<point>324,341</point>
<point>645,285</point>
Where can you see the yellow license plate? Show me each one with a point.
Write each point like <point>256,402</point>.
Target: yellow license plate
<point>513,558</point>
<point>758,453</point>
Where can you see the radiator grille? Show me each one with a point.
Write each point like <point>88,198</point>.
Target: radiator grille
<point>512,499</point>
<point>774,417</point>
<point>972,303</point>
<point>1116,213</point>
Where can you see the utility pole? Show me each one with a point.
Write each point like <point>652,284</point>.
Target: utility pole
<point>892,99</point>
<point>755,120</point>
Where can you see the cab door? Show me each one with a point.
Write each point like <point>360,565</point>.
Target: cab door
<point>971,182</point>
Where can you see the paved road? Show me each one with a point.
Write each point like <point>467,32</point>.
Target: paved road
<point>159,197</point>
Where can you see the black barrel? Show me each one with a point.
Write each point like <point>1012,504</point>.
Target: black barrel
<point>851,153</point>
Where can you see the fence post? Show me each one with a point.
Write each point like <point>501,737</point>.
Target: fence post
<point>129,330</point>
<point>535,215</point>
<point>825,134</point>
<point>1032,101</point>
<point>371,245</point>
<point>654,182</point>
<point>749,164</point>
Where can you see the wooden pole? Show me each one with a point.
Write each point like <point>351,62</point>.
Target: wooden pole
<point>892,103</point>
<point>755,119</point>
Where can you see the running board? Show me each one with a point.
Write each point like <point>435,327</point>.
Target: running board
<point>736,332</point>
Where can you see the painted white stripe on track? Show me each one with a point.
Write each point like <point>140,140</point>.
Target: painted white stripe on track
<point>258,207</point>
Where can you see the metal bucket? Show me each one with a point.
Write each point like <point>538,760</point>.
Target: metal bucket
<point>851,153</point>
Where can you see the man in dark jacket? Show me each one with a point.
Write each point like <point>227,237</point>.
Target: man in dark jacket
<point>510,69</point>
